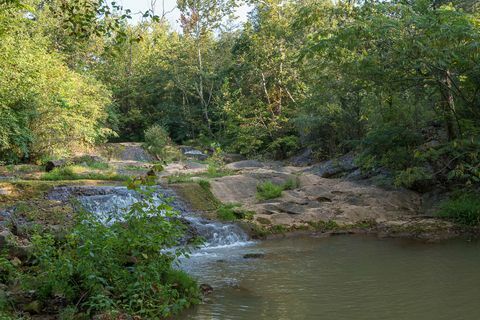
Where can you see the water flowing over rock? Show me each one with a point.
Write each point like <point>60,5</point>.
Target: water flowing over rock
<point>110,203</point>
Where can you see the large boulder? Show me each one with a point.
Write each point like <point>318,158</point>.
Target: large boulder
<point>193,153</point>
<point>334,168</point>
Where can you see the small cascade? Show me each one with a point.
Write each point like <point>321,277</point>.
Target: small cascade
<point>110,203</point>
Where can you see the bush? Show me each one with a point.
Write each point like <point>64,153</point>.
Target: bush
<point>227,212</point>
<point>413,178</point>
<point>269,190</point>
<point>391,147</point>
<point>122,265</point>
<point>463,209</point>
<point>156,140</point>
<point>284,147</point>
<point>63,173</point>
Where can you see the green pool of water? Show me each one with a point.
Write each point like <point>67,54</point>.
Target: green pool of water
<point>343,277</point>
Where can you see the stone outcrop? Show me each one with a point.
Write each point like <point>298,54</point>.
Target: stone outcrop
<point>315,199</point>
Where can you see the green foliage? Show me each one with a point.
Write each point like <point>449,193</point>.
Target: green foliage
<point>204,184</point>
<point>284,147</point>
<point>227,212</point>
<point>78,173</point>
<point>412,176</point>
<point>268,190</point>
<point>46,109</point>
<point>156,140</point>
<point>390,147</point>
<point>117,265</point>
<point>463,209</point>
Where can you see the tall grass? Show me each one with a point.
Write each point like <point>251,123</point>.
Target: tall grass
<point>463,209</point>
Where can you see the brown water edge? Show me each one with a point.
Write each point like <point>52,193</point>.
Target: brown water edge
<point>345,277</point>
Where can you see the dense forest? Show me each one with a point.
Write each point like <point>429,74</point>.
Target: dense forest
<point>398,82</point>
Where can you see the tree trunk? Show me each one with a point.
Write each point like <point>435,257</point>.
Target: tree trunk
<point>449,109</point>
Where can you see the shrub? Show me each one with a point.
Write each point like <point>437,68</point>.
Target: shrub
<point>269,190</point>
<point>463,209</point>
<point>156,140</point>
<point>227,212</point>
<point>122,265</point>
<point>284,147</point>
<point>413,178</point>
<point>63,173</point>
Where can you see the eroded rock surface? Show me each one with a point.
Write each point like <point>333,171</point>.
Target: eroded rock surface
<point>315,199</point>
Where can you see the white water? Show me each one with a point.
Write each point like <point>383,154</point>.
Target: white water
<point>111,203</point>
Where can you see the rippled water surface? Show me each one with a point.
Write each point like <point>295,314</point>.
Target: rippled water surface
<point>345,277</point>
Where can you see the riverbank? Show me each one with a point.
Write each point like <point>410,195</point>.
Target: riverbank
<point>306,199</point>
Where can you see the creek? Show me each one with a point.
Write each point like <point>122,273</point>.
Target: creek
<point>316,277</point>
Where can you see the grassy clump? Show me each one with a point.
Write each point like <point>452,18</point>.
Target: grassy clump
<point>79,173</point>
<point>180,178</point>
<point>227,212</point>
<point>463,209</point>
<point>100,268</point>
<point>232,212</point>
<point>269,190</point>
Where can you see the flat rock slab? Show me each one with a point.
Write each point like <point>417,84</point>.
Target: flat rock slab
<point>244,164</point>
<point>315,198</point>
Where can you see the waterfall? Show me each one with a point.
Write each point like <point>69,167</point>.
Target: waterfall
<point>110,203</point>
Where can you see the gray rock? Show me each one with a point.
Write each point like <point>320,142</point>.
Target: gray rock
<point>304,159</point>
<point>232,157</point>
<point>291,208</point>
<point>193,153</point>
<point>336,167</point>
<point>244,164</point>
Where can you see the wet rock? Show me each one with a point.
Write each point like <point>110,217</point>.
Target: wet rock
<point>244,164</point>
<point>206,289</point>
<point>253,256</point>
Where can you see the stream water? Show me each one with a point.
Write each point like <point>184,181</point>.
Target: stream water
<point>341,277</point>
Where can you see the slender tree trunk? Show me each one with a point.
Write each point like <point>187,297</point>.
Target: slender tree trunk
<point>449,109</point>
<point>200,88</point>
